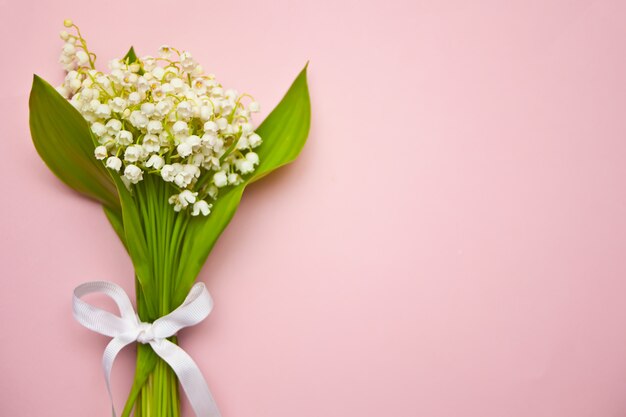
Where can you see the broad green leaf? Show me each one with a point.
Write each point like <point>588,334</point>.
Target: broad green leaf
<point>285,130</point>
<point>63,140</point>
<point>284,133</point>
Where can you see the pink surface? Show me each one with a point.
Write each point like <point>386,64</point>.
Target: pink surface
<point>450,243</point>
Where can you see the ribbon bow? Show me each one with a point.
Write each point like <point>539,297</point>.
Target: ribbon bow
<point>127,328</point>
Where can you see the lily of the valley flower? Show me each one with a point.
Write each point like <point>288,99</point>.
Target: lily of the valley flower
<point>100,152</point>
<point>133,174</point>
<point>155,161</point>
<point>114,163</point>
<point>182,200</point>
<point>201,207</point>
<point>163,116</point>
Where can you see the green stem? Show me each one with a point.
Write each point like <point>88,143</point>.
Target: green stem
<point>155,389</point>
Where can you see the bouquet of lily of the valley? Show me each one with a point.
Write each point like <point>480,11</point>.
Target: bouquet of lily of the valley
<point>168,152</point>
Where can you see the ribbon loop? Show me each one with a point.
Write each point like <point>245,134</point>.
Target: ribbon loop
<point>127,328</point>
<point>196,307</point>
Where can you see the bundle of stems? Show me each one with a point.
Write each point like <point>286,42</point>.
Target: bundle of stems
<point>155,391</point>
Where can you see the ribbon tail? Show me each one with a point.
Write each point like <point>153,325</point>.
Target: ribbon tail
<point>110,353</point>
<point>190,377</point>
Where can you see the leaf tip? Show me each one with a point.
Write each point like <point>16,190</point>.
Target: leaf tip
<point>38,82</point>
<point>303,73</point>
<point>131,55</point>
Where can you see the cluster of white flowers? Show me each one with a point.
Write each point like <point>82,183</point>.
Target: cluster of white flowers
<point>163,116</point>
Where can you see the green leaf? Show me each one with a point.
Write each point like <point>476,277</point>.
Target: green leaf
<point>284,133</point>
<point>116,220</point>
<point>130,56</point>
<point>146,361</point>
<point>285,130</point>
<point>136,242</point>
<point>144,366</point>
<point>63,140</point>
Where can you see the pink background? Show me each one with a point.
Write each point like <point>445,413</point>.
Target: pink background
<point>450,243</point>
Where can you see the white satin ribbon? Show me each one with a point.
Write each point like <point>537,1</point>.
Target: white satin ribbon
<point>127,328</point>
